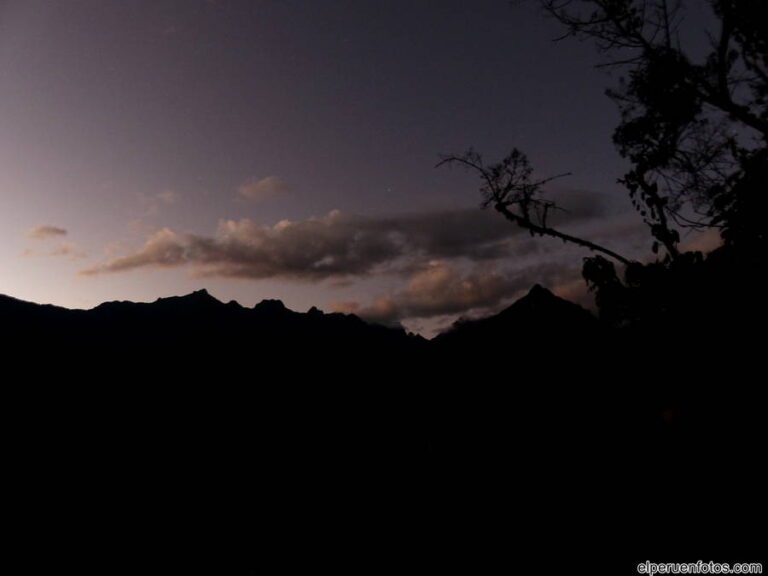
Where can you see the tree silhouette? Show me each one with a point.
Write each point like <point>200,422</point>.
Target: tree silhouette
<point>694,130</point>
<point>508,187</point>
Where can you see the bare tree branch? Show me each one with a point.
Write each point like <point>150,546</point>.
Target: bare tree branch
<point>509,188</point>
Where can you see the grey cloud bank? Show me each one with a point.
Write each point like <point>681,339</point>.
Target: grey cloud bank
<point>336,245</point>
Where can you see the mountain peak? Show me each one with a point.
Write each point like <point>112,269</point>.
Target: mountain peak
<point>538,312</point>
<point>538,291</point>
<point>197,298</point>
<point>201,294</point>
<point>270,306</point>
<point>541,303</point>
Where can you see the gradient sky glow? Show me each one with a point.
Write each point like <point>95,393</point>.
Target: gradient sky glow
<point>286,149</point>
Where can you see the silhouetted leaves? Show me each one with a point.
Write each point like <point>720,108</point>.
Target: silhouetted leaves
<point>690,129</point>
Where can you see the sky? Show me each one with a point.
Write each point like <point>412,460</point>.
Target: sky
<point>287,149</point>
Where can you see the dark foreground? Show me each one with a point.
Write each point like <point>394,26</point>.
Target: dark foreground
<point>310,440</point>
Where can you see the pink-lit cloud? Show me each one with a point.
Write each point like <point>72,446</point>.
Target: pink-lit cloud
<point>264,189</point>
<point>334,246</point>
<point>439,289</point>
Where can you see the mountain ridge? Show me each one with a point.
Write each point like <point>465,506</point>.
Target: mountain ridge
<point>538,300</point>
<point>540,400</point>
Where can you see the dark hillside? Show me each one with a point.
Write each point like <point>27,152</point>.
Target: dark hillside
<point>539,411</point>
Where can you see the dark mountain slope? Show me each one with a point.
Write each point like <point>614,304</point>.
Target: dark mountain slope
<point>539,314</point>
<point>200,323</point>
<point>196,406</point>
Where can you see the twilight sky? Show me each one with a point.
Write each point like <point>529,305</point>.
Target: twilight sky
<point>286,149</point>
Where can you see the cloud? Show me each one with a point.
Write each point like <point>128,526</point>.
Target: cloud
<point>162,249</point>
<point>67,250</point>
<point>467,261</point>
<point>705,241</point>
<point>167,197</point>
<point>381,311</point>
<point>335,246</point>
<point>152,205</point>
<point>440,289</point>
<point>264,189</point>
<point>576,290</point>
<point>63,249</point>
<point>577,204</point>
<point>45,232</point>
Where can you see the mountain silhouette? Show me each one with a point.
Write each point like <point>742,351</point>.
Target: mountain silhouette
<point>198,321</point>
<point>286,414</point>
<point>539,311</point>
<point>537,314</point>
